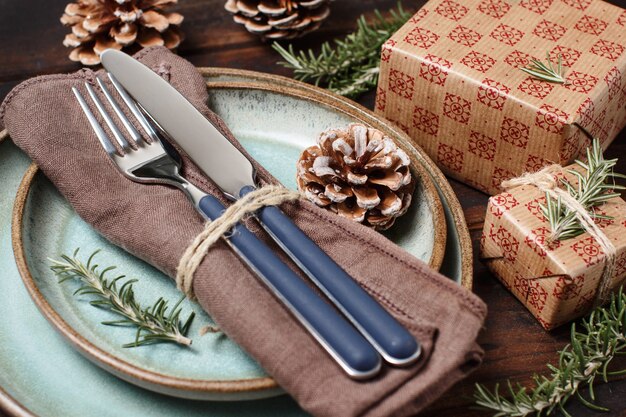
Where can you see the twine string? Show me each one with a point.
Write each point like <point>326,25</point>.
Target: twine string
<point>270,195</point>
<point>546,182</point>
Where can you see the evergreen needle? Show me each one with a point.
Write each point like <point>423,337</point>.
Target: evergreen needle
<point>155,324</point>
<point>581,362</point>
<point>594,187</point>
<point>546,71</point>
<point>350,66</point>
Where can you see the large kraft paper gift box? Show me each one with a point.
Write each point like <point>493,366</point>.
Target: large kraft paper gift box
<point>451,78</point>
<point>557,281</point>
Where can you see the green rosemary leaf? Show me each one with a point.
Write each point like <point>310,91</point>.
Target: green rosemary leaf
<point>546,71</point>
<point>154,324</point>
<point>349,66</point>
<point>586,357</point>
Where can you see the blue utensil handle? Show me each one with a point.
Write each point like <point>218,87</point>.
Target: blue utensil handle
<point>340,339</point>
<point>391,339</point>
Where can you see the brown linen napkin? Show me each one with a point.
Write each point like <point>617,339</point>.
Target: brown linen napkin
<point>156,223</point>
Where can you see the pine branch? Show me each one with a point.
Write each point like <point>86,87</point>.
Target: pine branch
<point>350,67</point>
<point>594,187</point>
<point>581,362</point>
<point>546,71</point>
<point>154,324</point>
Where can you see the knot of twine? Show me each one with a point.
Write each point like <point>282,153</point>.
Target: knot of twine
<point>545,181</point>
<point>270,195</point>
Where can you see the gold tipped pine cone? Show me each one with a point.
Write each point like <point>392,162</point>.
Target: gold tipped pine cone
<point>101,24</point>
<point>357,173</point>
<point>279,19</point>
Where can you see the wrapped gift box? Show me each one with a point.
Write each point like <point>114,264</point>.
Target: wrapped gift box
<point>557,281</point>
<point>451,78</point>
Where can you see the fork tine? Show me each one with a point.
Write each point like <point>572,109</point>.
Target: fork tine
<point>102,136</point>
<point>120,114</point>
<point>107,118</point>
<point>134,108</point>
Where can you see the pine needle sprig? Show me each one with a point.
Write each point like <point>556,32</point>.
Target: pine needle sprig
<point>595,186</point>
<point>547,71</point>
<point>155,324</point>
<point>584,360</point>
<point>350,66</point>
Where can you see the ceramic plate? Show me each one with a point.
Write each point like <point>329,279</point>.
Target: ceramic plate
<point>41,373</point>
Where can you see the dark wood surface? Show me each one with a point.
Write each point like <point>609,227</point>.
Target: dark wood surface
<point>515,345</point>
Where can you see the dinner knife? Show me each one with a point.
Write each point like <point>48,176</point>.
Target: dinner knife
<point>234,174</point>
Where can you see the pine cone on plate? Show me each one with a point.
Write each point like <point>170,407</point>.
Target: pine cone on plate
<point>279,19</point>
<point>101,24</point>
<point>357,173</point>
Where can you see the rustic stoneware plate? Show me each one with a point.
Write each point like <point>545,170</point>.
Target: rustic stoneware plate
<point>40,374</point>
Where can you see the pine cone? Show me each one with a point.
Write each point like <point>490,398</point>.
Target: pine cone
<point>101,24</point>
<point>357,173</point>
<point>279,19</point>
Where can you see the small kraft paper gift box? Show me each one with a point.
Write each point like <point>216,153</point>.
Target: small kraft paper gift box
<point>556,279</point>
<point>451,78</point>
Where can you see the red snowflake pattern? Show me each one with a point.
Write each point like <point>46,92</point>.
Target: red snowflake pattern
<point>535,87</point>
<point>535,163</point>
<point>620,266</point>
<point>537,6</point>
<point>402,84</point>
<point>588,250</point>
<point>451,10</point>
<point>568,55</point>
<point>586,112</point>
<point>549,30</point>
<point>498,204</point>
<point>500,174</point>
<point>621,19</point>
<point>550,118</point>
<point>434,69</point>
<point>387,49</point>
<point>539,241</point>
<point>607,49</point>
<point>450,157</point>
<point>421,13</point>
<point>580,82</point>
<point>381,98</point>
<point>568,288</point>
<point>578,4</point>
<point>494,8</point>
<point>507,34</point>
<point>457,108</point>
<point>492,93</point>
<point>613,80</point>
<point>585,302</point>
<point>591,25</point>
<point>426,121</point>
<point>514,132</point>
<point>401,125</point>
<point>518,59</point>
<point>422,38</point>
<point>531,291</point>
<point>602,222</point>
<point>478,61</point>
<point>482,146</point>
<point>571,147</point>
<point>464,36</point>
<point>534,207</point>
<point>506,241</point>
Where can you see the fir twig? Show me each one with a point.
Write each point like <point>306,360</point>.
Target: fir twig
<point>154,324</point>
<point>350,67</point>
<point>581,362</point>
<point>546,71</point>
<point>595,186</point>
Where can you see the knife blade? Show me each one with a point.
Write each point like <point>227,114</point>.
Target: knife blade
<point>234,174</point>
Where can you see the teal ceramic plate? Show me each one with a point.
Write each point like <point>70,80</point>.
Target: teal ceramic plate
<point>41,373</point>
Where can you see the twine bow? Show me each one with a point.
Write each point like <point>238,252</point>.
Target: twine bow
<point>546,182</point>
<point>270,195</point>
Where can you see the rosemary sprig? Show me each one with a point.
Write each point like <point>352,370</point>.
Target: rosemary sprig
<point>594,187</point>
<point>581,362</point>
<point>546,71</point>
<point>350,67</point>
<point>154,324</point>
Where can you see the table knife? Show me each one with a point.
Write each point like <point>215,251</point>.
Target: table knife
<point>235,175</point>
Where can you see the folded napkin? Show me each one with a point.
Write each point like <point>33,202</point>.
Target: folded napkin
<point>156,223</point>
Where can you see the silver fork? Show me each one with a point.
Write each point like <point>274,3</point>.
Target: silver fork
<point>149,162</point>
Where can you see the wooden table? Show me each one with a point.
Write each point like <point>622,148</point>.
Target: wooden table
<point>515,344</point>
